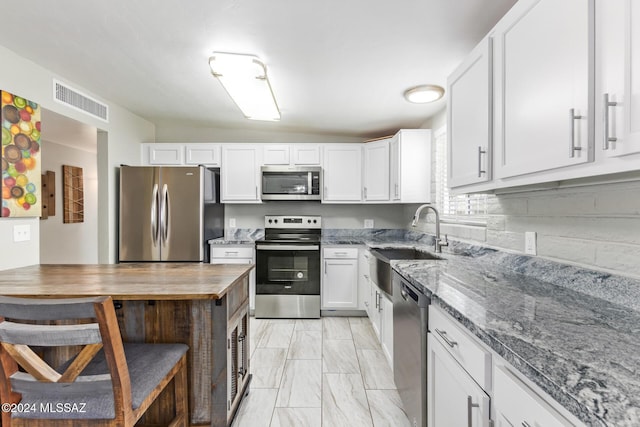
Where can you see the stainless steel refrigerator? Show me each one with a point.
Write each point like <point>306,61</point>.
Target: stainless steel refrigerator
<point>168,213</point>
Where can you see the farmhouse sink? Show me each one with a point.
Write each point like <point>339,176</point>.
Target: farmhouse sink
<point>402,253</point>
<point>380,266</point>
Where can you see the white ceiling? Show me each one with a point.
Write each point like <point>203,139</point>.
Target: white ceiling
<point>336,66</point>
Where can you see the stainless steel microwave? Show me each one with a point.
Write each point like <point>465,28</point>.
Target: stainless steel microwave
<point>291,183</point>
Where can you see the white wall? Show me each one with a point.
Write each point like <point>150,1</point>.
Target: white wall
<point>125,131</point>
<point>182,133</point>
<point>596,226</point>
<point>70,243</point>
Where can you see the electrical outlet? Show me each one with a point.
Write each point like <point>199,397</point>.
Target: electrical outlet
<point>232,222</point>
<point>368,223</point>
<point>21,233</point>
<point>530,246</point>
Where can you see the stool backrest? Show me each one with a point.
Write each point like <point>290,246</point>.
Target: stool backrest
<point>30,322</point>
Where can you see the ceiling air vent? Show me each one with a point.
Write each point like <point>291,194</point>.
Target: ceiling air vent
<point>79,101</point>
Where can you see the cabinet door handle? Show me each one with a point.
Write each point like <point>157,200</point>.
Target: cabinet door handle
<point>480,153</point>
<point>256,192</point>
<point>574,117</point>
<point>470,406</point>
<point>607,139</point>
<point>443,335</point>
<point>326,193</point>
<point>525,424</point>
<point>365,193</point>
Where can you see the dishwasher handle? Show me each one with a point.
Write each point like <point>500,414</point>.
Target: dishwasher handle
<point>407,293</point>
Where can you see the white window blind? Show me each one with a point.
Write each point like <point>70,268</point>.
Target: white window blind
<point>463,208</point>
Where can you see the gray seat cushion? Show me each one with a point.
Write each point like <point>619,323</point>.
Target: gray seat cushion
<point>148,365</point>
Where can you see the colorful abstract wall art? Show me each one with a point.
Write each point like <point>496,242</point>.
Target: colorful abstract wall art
<point>20,156</point>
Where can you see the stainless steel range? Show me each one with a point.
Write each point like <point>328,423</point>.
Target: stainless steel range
<point>288,268</point>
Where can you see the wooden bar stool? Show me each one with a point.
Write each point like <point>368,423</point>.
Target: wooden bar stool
<point>107,383</point>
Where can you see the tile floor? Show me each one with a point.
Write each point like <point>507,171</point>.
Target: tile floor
<point>324,372</point>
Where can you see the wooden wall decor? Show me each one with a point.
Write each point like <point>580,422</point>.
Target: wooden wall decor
<point>73,194</point>
<point>48,194</point>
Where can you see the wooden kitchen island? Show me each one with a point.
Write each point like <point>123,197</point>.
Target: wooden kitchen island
<point>202,305</point>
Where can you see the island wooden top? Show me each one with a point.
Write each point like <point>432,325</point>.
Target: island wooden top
<point>130,281</point>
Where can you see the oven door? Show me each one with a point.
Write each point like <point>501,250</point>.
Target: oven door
<point>287,269</point>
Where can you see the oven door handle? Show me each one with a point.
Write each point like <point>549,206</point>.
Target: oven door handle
<point>288,247</point>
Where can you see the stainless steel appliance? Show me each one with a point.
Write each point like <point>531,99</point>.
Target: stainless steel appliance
<point>168,213</point>
<point>380,268</point>
<point>291,183</point>
<point>410,348</point>
<point>288,268</point>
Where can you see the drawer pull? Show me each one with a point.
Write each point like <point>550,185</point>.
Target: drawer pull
<point>443,335</point>
<point>230,252</point>
<point>470,406</point>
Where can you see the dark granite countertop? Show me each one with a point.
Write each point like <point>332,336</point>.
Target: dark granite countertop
<point>583,350</point>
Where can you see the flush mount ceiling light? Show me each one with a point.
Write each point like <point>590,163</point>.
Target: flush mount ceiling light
<point>424,94</point>
<point>244,77</point>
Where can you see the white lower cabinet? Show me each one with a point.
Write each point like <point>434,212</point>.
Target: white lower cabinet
<point>470,385</point>
<point>517,405</point>
<point>240,254</point>
<point>453,397</point>
<point>340,278</point>
<point>386,327</point>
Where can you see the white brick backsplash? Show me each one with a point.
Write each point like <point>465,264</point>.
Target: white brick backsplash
<point>506,205</point>
<point>506,240</point>
<point>622,202</point>
<point>465,232</point>
<point>559,205</point>
<point>496,222</point>
<point>578,251</point>
<point>623,258</point>
<point>608,229</point>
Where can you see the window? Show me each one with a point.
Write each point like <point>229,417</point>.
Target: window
<point>465,208</point>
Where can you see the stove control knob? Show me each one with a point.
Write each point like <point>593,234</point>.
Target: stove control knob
<point>309,221</point>
<point>270,221</point>
<point>275,220</point>
<point>315,221</point>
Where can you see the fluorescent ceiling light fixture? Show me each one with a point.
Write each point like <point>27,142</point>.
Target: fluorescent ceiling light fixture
<point>244,77</point>
<point>424,94</point>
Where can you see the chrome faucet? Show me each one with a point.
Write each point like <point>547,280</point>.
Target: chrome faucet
<point>439,242</point>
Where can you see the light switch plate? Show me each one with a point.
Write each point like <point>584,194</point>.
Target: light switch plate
<point>368,223</point>
<point>21,233</point>
<point>232,222</point>
<point>530,244</point>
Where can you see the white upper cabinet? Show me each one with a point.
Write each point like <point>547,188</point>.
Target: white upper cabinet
<point>276,154</point>
<point>376,171</point>
<point>469,128</point>
<point>202,154</point>
<point>292,154</point>
<point>306,154</point>
<point>162,154</point>
<point>342,173</point>
<point>240,173</point>
<point>617,68</point>
<point>410,166</point>
<point>542,92</point>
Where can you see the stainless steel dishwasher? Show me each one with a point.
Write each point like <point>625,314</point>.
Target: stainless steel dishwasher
<point>410,348</point>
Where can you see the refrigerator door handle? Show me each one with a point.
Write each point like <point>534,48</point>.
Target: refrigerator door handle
<point>154,215</point>
<point>165,215</point>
